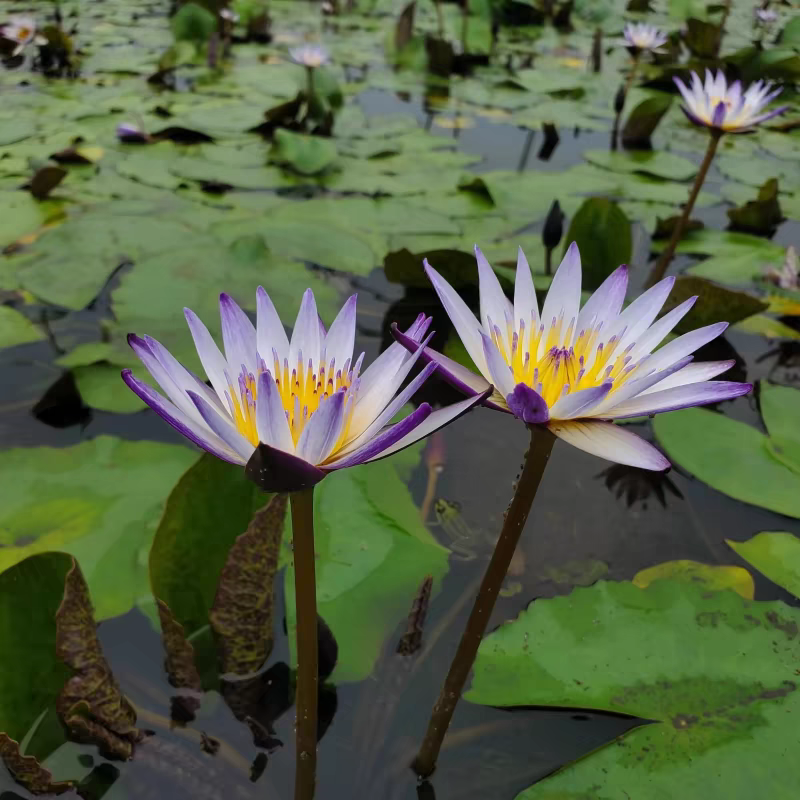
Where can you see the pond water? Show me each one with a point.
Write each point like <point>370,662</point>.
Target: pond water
<point>142,230</point>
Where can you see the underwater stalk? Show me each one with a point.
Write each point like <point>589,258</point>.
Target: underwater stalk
<point>665,258</point>
<point>533,469</point>
<point>307,657</point>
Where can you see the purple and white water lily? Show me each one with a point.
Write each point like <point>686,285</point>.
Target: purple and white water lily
<point>290,410</point>
<point>727,109</point>
<point>21,30</point>
<point>309,55</point>
<point>576,369</point>
<point>641,36</point>
<point>765,16</point>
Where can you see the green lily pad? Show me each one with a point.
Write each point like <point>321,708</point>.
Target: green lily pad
<point>776,554</point>
<point>30,594</point>
<point>603,234</point>
<point>99,501</point>
<point>308,155</point>
<point>660,163</point>
<point>16,328</point>
<point>373,552</point>
<point>715,671</point>
<point>101,387</point>
<point>780,407</point>
<point>729,456</point>
<point>763,325</point>
<point>712,577</point>
<point>644,119</point>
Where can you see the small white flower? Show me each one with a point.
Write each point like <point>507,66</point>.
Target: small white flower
<point>725,108</point>
<point>229,15</point>
<point>766,16</point>
<point>309,55</point>
<point>640,36</point>
<point>21,30</point>
<point>788,276</point>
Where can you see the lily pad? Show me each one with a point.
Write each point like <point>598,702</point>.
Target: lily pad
<point>780,407</point>
<point>729,456</point>
<point>101,387</point>
<point>16,328</point>
<point>99,500</point>
<point>715,671</point>
<point>776,554</point>
<point>308,155</point>
<point>660,163</point>
<point>712,577</point>
<point>373,552</point>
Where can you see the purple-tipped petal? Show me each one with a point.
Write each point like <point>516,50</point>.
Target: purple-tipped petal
<point>187,427</point>
<point>438,419</point>
<point>606,302</point>
<point>684,345</point>
<point>696,394</point>
<point>322,430</point>
<point>238,336</point>
<point>271,422</point>
<point>638,316</point>
<point>499,372</point>
<point>526,306</point>
<point>222,427</point>
<point>389,437</point>
<point>274,470</point>
<point>528,405</point>
<point>339,341</point>
<point>692,373</point>
<point>693,118</point>
<point>462,318</point>
<point>654,335</point>
<point>495,306</point>
<point>580,403</point>
<point>393,357</point>
<point>210,357</point>
<point>609,441</point>
<point>270,333</point>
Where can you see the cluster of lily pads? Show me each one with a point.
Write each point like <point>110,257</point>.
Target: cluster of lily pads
<point>147,165</point>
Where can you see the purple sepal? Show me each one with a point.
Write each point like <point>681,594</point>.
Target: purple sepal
<point>273,470</point>
<point>718,116</point>
<point>528,405</point>
<point>386,438</point>
<point>457,375</point>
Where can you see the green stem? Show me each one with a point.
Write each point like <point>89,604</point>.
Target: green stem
<point>663,262</point>
<point>439,18</point>
<point>626,89</point>
<point>532,471</point>
<point>307,657</point>
<point>464,25</point>
<point>310,89</point>
<point>548,261</point>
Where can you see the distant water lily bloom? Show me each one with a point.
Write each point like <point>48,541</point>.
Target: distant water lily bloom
<point>309,55</point>
<point>727,109</point>
<point>132,133</point>
<point>229,15</point>
<point>640,36</point>
<point>766,16</point>
<point>576,369</point>
<point>20,30</point>
<point>291,410</point>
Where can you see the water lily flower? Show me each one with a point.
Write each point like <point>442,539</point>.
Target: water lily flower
<point>132,133</point>
<point>788,275</point>
<point>765,16</point>
<point>229,15</point>
<point>21,30</point>
<point>641,36</point>
<point>576,369</point>
<point>726,109</point>
<point>291,410</point>
<point>309,55</point>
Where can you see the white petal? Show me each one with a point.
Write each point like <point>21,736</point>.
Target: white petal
<point>684,345</point>
<point>564,297</point>
<point>306,334</point>
<point>495,306</point>
<point>271,422</point>
<point>223,427</point>
<point>501,376</point>
<point>270,333</point>
<point>609,441</point>
<point>526,307</point>
<point>238,336</point>
<point>692,373</point>
<point>342,334</point>
<point>462,318</point>
<point>213,361</point>
<point>579,403</point>
<point>638,316</point>
<point>322,430</point>
<point>606,302</point>
<point>655,334</point>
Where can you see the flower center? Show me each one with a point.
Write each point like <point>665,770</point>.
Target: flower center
<point>301,390</point>
<point>563,367</point>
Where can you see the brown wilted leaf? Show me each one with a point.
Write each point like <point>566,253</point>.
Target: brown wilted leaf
<point>27,771</point>
<point>241,616</point>
<point>91,703</point>
<point>180,665</point>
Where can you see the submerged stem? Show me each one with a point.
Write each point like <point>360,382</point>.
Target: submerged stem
<point>532,471</point>
<point>623,96</point>
<point>307,657</point>
<point>664,259</point>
